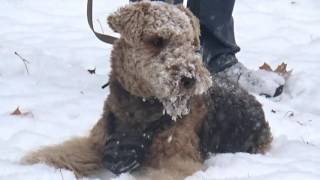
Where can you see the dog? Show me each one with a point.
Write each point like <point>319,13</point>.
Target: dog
<point>157,73</point>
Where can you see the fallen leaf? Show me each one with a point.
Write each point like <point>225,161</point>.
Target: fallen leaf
<point>281,69</point>
<point>16,112</point>
<point>92,71</point>
<point>266,67</point>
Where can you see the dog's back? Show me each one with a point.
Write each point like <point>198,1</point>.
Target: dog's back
<point>235,121</point>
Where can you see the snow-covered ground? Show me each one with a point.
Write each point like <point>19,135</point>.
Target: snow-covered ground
<point>63,100</point>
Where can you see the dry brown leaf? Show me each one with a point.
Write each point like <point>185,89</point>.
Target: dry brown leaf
<point>281,69</point>
<point>266,67</point>
<point>17,112</point>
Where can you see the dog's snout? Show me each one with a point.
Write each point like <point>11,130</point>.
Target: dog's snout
<point>187,82</point>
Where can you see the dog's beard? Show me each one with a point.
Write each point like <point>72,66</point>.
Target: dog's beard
<point>178,102</point>
<point>176,106</point>
<point>167,85</point>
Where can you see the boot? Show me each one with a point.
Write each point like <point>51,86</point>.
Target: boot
<point>266,83</point>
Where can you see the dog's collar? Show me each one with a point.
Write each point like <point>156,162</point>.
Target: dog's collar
<point>153,128</point>
<point>149,100</point>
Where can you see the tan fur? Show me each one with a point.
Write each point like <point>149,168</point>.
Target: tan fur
<point>141,69</point>
<point>175,152</point>
<point>180,141</point>
<point>76,154</point>
<point>136,24</point>
<point>81,155</point>
<point>151,72</point>
<point>195,24</point>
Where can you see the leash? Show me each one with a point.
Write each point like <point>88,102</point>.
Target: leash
<point>107,38</point>
<point>102,37</point>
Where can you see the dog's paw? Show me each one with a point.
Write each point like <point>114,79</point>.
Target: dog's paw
<point>125,152</point>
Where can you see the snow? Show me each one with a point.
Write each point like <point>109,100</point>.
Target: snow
<point>66,101</point>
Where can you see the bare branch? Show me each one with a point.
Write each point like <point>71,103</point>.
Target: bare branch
<point>105,85</point>
<point>61,174</point>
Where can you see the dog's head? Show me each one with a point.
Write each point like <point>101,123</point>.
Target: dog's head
<point>158,54</point>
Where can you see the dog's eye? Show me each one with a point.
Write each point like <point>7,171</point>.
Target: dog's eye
<point>158,42</point>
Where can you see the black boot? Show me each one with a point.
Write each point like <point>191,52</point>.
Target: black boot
<point>218,49</point>
<point>221,62</point>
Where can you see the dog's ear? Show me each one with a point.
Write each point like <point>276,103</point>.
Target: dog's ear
<point>128,20</point>
<point>195,24</point>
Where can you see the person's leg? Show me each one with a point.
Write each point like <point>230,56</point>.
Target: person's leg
<point>217,32</point>
<point>219,47</point>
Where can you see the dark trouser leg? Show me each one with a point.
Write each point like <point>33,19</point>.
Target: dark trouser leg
<point>217,32</point>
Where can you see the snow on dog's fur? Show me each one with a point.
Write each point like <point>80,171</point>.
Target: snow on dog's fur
<point>157,71</point>
<point>160,59</point>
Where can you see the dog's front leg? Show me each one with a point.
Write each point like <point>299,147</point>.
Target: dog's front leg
<point>175,153</point>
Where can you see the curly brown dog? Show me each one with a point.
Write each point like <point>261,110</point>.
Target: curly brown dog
<point>157,73</point>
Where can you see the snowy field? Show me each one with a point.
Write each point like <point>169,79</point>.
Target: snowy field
<point>60,99</point>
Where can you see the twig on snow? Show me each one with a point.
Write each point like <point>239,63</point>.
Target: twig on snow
<point>307,142</point>
<point>105,85</point>
<point>25,62</point>
<point>289,114</point>
<point>61,174</point>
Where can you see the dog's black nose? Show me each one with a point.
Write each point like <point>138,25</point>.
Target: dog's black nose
<point>187,82</point>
